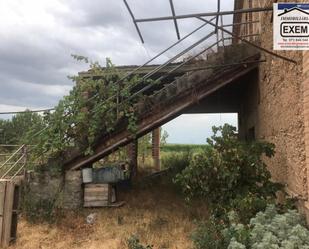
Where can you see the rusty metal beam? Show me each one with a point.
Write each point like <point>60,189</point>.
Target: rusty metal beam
<point>164,18</point>
<point>175,20</point>
<point>248,42</point>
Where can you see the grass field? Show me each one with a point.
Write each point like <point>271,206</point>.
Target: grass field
<point>156,214</point>
<point>181,147</point>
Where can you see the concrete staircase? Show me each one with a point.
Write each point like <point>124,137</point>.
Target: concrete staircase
<point>169,99</point>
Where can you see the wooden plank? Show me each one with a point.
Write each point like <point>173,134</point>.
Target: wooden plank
<point>116,204</point>
<point>95,204</point>
<point>16,197</point>
<point>14,225</point>
<point>96,194</point>
<point>2,195</point>
<point>95,198</point>
<point>7,214</point>
<point>96,187</point>
<point>105,197</point>
<point>99,193</point>
<point>2,199</point>
<point>95,190</point>
<point>1,230</point>
<point>101,186</point>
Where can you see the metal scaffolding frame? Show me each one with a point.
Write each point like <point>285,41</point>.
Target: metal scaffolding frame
<point>248,42</point>
<point>175,17</point>
<point>218,14</point>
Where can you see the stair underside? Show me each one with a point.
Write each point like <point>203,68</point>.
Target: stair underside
<point>168,103</point>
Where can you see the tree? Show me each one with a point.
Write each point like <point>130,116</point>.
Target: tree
<point>228,168</point>
<point>14,131</point>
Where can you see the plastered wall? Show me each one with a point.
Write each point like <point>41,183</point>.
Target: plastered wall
<point>274,108</point>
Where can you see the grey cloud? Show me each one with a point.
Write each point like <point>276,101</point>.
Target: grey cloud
<point>17,94</point>
<point>35,59</point>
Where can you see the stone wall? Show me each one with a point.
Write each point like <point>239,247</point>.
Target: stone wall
<point>72,191</point>
<point>305,88</point>
<point>64,190</point>
<point>274,109</point>
<point>43,186</point>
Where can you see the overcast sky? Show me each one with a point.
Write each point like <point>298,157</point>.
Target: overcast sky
<point>37,38</point>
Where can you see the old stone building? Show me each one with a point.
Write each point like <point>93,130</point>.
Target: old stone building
<point>272,102</point>
<point>275,107</point>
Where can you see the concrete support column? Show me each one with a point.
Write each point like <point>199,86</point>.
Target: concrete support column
<point>132,154</point>
<point>156,148</point>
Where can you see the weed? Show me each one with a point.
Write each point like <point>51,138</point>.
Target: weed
<point>134,243</point>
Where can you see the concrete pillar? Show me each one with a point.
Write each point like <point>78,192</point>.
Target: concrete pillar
<point>132,154</point>
<point>156,148</point>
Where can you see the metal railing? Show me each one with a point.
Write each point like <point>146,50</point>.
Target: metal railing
<point>15,163</point>
<point>168,63</point>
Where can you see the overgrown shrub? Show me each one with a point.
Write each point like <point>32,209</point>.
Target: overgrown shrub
<point>39,211</point>
<point>228,169</point>
<point>134,243</point>
<point>208,235</point>
<point>249,205</point>
<point>272,230</point>
<point>39,206</point>
<point>176,162</point>
<point>267,229</point>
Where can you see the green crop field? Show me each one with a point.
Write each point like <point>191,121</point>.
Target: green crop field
<point>182,147</point>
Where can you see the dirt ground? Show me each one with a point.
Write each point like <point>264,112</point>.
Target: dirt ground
<point>156,215</point>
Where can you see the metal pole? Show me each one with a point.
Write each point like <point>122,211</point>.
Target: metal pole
<point>178,55</point>
<point>134,21</point>
<point>217,23</point>
<point>161,53</point>
<point>175,20</point>
<point>222,33</point>
<point>131,73</point>
<point>191,58</point>
<point>164,18</point>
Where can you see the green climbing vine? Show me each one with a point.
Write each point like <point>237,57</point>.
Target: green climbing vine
<point>97,102</point>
